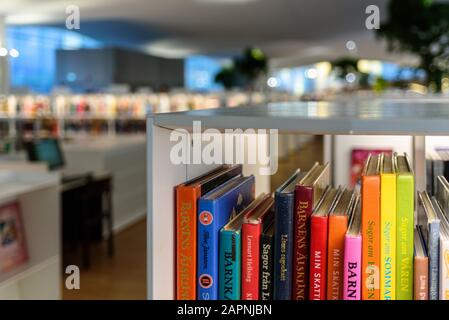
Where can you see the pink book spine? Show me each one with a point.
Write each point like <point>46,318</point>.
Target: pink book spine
<point>352,268</point>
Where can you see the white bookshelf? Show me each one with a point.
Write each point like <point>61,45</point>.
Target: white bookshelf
<point>415,120</point>
<point>38,196</point>
<point>124,158</point>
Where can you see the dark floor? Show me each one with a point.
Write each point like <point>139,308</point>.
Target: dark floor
<point>120,277</point>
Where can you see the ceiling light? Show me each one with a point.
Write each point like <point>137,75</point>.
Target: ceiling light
<point>71,77</point>
<point>350,45</point>
<point>273,82</point>
<point>170,48</point>
<point>350,77</point>
<point>312,73</point>
<point>3,52</point>
<point>14,53</point>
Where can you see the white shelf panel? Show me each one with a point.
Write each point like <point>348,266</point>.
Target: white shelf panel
<point>14,183</point>
<point>359,117</point>
<point>39,199</point>
<point>23,271</point>
<point>36,282</point>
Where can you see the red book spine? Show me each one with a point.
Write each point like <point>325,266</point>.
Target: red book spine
<point>318,258</point>
<point>250,260</point>
<point>303,211</point>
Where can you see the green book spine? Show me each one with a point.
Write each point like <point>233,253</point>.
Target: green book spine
<point>405,201</point>
<point>230,265</point>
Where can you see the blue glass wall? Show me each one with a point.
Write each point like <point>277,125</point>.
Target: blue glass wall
<point>200,73</point>
<point>35,67</point>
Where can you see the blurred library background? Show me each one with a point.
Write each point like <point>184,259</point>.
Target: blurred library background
<point>77,81</point>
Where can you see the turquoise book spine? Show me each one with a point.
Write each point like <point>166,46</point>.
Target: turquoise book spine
<point>229,275</point>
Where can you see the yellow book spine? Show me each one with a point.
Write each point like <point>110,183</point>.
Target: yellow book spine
<point>388,236</point>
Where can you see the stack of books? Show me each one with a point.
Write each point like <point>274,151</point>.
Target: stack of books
<point>310,240</point>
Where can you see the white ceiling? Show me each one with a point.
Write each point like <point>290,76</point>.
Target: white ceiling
<point>291,31</point>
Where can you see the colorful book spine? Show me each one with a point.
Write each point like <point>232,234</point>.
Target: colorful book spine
<point>370,235</point>
<point>388,236</point>
<point>213,214</point>
<point>229,265</point>
<point>433,251</point>
<point>250,260</point>
<point>404,236</point>
<point>444,269</point>
<point>420,267</point>
<point>318,258</point>
<point>335,255</point>
<point>421,278</point>
<point>186,245</point>
<point>304,207</point>
<point>284,208</point>
<point>352,271</point>
<point>266,267</point>
<point>207,251</point>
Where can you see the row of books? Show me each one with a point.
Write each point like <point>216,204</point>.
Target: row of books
<point>310,240</point>
<point>437,164</point>
<point>130,105</point>
<point>432,244</point>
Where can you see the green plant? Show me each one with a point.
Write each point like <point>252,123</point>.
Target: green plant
<point>252,64</point>
<point>245,70</point>
<point>420,27</point>
<point>227,77</point>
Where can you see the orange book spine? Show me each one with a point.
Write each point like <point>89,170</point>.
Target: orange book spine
<point>186,245</point>
<point>335,254</point>
<point>370,237</point>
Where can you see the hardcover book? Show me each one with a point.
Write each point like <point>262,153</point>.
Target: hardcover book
<point>215,209</point>
<point>283,240</point>
<point>442,193</point>
<point>429,173</point>
<point>430,228</point>
<point>229,284</point>
<point>318,244</point>
<point>405,203</point>
<point>352,270</point>
<point>266,263</point>
<point>421,268</point>
<point>338,225</point>
<point>444,156</point>
<point>437,169</point>
<point>371,228</point>
<point>388,229</point>
<point>230,260</point>
<point>254,222</point>
<point>444,251</point>
<point>187,195</point>
<point>13,249</point>
<point>307,194</point>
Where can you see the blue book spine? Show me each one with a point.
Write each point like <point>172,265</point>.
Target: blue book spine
<point>434,258</point>
<point>283,245</point>
<point>230,262</point>
<point>212,216</point>
<point>206,257</point>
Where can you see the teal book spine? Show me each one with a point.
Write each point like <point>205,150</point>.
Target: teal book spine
<point>229,273</point>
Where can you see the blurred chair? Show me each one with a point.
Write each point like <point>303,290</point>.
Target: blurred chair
<point>87,207</point>
<point>86,199</point>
